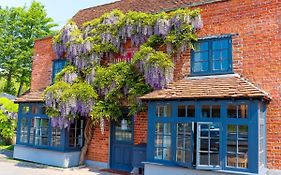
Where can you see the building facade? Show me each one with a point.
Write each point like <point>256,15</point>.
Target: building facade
<point>221,115</point>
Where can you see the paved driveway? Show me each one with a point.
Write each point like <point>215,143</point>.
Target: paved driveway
<point>14,167</point>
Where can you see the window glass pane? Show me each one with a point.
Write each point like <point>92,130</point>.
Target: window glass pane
<point>181,111</point>
<point>217,65</point>
<point>209,144</point>
<point>167,141</point>
<point>23,130</point>
<point>206,111</point>
<point>214,145</point>
<point>158,153</point>
<point>243,161</point>
<point>162,141</point>
<point>216,55</point>
<point>204,144</point>
<point>56,136</point>
<point>163,110</point>
<point>191,111</point>
<point>214,159</point>
<point>25,109</point>
<point>237,146</point>
<point>40,126</point>
<point>220,44</point>
<point>201,56</point>
<point>243,146</point>
<point>231,111</point>
<point>243,132</point>
<point>224,54</point>
<point>216,111</point>
<point>158,140</point>
<point>76,134</point>
<point>242,111</point>
<point>201,66</point>
<point>35,109</point>
<point>167,154</point>
<point>225,64</point>
<point>201,46</point>
<point>204,159</point>
<point>231,160</point>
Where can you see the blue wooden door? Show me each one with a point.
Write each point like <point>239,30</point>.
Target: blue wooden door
<point>121,145</point>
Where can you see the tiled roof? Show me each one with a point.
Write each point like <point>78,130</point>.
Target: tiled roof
<point>149,6</point>
<point>33,96</point>
<point>215,87</point>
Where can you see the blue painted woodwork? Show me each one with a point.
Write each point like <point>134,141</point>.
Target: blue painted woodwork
<point>121,147</point>
<point>63,147</point>
<point>139,155</point>
<point>212,55</point>
<point>58,65</point>
<point>223,121</point>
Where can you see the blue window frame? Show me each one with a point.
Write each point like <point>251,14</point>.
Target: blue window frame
<point>35,130</point>
<point>58,65</point>
<point>179,134</point>
<point>212,56</point>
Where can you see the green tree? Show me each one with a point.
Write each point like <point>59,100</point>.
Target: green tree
<point>19,27</point>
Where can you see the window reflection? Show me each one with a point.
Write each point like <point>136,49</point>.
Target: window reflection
<point>237,146</point>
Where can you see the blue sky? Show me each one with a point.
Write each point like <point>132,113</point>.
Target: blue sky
<point>59,10</point>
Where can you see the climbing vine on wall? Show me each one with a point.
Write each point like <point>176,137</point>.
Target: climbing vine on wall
<point>93,85</point>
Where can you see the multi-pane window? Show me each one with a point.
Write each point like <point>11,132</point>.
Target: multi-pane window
<point>35,130</point>
<point>163,137</point>
<point>186,111</point>
<point>76,134</point>
<point>211,56</point>
<point>237,146</point>
<point>40,128</point>
<point>124,133</point>
<point>237,111</point>
<point>209,144</point>
<point>56,137</point>
<point>210,111</point>
<point>184,149</point>
<point>58,65</point>
<point>207,134</point>
<point>24,130</point>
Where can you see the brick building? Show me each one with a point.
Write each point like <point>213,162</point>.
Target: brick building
<point>227,110</point>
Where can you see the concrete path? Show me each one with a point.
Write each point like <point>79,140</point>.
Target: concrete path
<point>9,166</point>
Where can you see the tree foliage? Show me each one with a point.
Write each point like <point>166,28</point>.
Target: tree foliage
<point>19,27</point>
<point>8,114</point>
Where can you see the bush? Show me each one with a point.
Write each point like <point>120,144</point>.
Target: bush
<point>8,115</point>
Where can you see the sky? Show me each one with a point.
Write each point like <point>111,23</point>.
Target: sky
<point>60,10</point>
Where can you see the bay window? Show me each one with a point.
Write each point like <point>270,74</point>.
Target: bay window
<point>210,135</point>
<point>35,130</point>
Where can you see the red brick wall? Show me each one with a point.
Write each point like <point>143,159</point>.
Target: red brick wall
<point>256,53</point>
<point>99,145</point>
<point>140,128</point>
<point>42,64</point>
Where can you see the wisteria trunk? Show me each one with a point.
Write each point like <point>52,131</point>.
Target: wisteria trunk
<point>88,133</point>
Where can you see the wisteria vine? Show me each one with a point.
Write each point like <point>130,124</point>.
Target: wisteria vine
<point>90,86</point>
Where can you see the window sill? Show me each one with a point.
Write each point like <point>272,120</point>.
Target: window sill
<point>210,74</point>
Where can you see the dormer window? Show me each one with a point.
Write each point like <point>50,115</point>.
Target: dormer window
<point>212,56</point>
<point>58,65</point>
